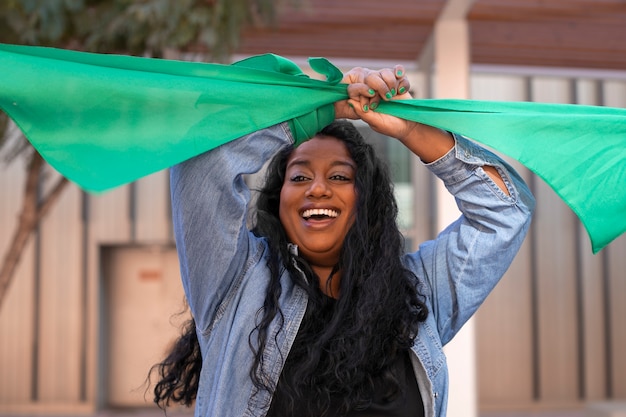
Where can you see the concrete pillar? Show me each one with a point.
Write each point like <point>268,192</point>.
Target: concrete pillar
<point>447,59</point>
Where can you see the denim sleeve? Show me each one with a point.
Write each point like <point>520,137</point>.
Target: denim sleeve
<point>467,259</point>
<point>209,210</point>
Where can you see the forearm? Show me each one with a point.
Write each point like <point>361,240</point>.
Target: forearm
<point>427,142</point>
<point>431,143</point>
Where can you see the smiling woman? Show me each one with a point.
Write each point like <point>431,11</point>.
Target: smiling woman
<point>317,310</point>
<point>343,258</point>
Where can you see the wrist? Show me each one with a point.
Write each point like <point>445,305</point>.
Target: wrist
<point>413,132</point>
<point>427,142</point>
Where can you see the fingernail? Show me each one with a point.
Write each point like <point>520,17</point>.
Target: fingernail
<point>365,107</point>
<point>351,105</point>
<point>388,95</point>
<point>399,73</point>
<point>393,91</point>
<point>373,106</point>
<point>371,92</point>
<point>402,90</point>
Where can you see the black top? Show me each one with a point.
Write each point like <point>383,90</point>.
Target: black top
<point>407,402</point>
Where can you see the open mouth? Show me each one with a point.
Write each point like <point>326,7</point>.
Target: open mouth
<point>319,214</point>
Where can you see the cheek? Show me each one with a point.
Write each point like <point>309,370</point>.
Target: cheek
<point>354,202</point>
<point>353,211</point>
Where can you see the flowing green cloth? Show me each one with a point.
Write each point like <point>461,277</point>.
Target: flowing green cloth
<point>105,120</point>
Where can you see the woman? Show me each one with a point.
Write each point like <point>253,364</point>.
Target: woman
<point>317,311</point>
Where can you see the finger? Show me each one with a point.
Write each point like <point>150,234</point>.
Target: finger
<point>361,104</point>
<point>387,82</point>
<point>375,81</point>
<point>404,86</point>
<point>355,105</point>
<point>389,77</point>
<point>365,103</point>
<point>358,90</point>
<point>367,116</point>
<point>364,97</point>
<point>399,71</point>
<point>396,80</point>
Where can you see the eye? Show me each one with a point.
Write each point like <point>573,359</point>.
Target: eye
<point>340,177</point>
<point>297,178</point>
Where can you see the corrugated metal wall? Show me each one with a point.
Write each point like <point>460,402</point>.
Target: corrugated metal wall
<point>552,333</point>
<point>51,321</point>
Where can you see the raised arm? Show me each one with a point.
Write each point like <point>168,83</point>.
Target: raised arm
<point>427,142</point>
<point>467,259</point>
<point>209,208</point>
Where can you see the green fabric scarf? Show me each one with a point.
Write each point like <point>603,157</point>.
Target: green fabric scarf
<point>106,120</point>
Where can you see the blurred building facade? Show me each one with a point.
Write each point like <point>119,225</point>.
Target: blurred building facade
<point>97,298</point>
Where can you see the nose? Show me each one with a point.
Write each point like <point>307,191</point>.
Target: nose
<point>318,188</point>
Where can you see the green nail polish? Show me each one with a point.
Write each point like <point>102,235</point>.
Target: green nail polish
<point>402,90</point>
<point>388,95</point>
<point>365,107</point>
<point>371,92</point>
<point>399,73</point>
<point>373,106</point>
<point>393,91</point>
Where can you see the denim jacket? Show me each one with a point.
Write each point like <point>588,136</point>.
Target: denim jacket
<point>224,271</point>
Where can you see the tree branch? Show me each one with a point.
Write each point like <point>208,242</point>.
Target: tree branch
<point>32,212</point>
<point>50,199</point>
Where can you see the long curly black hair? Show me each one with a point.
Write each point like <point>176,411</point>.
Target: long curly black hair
<point>343,346</point>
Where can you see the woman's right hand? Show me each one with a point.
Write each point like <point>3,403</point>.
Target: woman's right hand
<point>366,88</point>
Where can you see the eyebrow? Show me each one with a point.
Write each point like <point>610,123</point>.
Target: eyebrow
<point>307,162</point>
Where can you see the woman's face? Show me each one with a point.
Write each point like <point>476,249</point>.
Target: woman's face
<point>318,198</point>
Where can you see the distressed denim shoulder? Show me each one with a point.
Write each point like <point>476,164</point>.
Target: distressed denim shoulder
<point>224,272</point>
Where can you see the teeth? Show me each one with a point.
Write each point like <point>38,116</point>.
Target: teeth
<point>319,212</point>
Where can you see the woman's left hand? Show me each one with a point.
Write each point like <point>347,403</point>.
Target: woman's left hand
<point>427,142</point>
<point>368,87</point>
<point>386,84</point>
